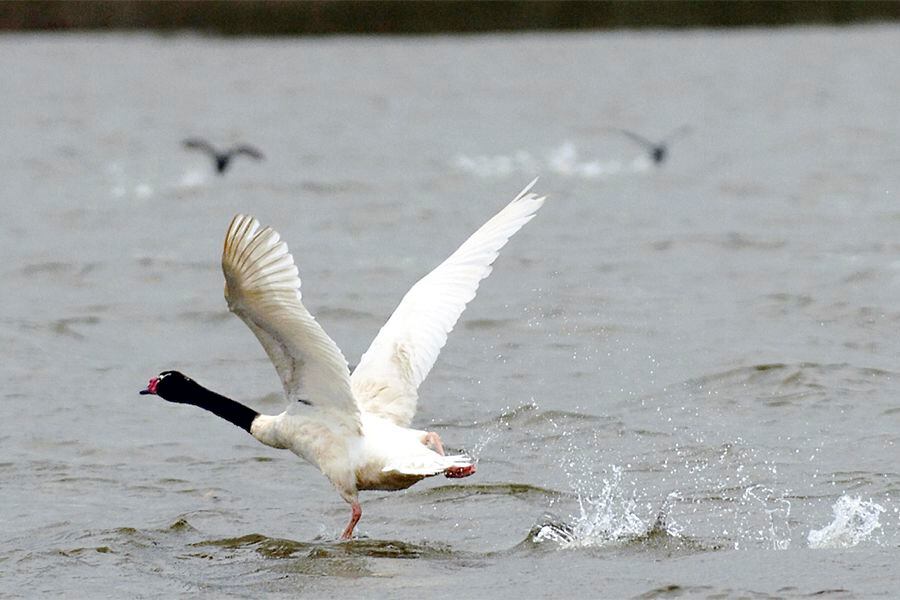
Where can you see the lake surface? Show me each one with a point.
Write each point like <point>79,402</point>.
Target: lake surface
<point>680,379</point>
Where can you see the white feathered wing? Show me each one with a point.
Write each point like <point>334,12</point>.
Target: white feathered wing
<point>388,376</point>
<point>262,287</point>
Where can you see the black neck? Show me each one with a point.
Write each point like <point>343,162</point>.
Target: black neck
<point>228,409</point>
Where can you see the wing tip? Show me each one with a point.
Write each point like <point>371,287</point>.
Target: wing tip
<point>242,227</point>
<point>526,195</point>
<point>527,188</point>
<point>238,221</point>
<point>256,258</point>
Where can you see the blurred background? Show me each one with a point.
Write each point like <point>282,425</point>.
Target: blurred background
<point>261,17</point>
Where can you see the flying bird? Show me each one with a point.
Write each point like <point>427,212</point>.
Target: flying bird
<point>658,151</point>
<point>222,158</point>
<point>354,428</point>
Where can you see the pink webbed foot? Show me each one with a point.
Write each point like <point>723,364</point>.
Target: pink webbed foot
<point>434,440</point>
<point>459,472</point>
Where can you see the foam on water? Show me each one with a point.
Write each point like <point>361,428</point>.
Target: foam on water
<point>194,178</point>
<point>563,160</point>
<point>123,184</point>
<point>855,520</point>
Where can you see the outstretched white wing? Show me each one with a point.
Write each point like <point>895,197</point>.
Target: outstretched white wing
<point>262,287</point>
<point>389,373</point>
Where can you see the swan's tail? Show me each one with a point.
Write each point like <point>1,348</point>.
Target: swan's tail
<point>458,465</point>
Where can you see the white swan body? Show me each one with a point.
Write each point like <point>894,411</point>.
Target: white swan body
<point>355,428</point>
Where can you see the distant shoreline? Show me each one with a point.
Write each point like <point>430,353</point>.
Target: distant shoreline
<point>323,17</point>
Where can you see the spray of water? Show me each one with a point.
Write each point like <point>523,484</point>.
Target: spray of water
<point>854,521</point>
<point>777,509</point>
<point>712,497</point>
<point>603,518</point>
<point>492,430</point>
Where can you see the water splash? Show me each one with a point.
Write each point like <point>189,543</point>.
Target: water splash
<point>724,494</point>
<point>606,516</point>
<point>854,521</point>
<point>777,509</point>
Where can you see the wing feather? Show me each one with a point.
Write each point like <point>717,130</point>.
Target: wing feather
<point>249,151</point>
<point>639,139</point>
<point>199,144</point>
<point>388,376</point>
<point>262,287</point>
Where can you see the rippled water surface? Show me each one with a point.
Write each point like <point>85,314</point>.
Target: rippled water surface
<point>679,380</point>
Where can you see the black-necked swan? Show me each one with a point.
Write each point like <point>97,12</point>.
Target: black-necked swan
<point>222,158</point>
<point>354,428</point>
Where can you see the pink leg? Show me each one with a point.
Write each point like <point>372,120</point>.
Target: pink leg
<point>459,472</point>
<point>355,514</point>
<point>434,440</point>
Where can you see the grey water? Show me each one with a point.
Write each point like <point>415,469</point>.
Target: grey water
<point>680,379</point>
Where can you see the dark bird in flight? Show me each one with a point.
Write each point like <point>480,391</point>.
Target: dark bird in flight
<point>658,150</point>
<point>221,158</point>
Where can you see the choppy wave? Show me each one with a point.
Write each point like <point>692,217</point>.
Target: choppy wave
<point>283,548</point>
<point>527,416</point>
<point>446,493</point>
<point>786,384</point>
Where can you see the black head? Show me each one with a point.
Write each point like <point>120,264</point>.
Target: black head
<point>170,385</point>
<point>173,386</point>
